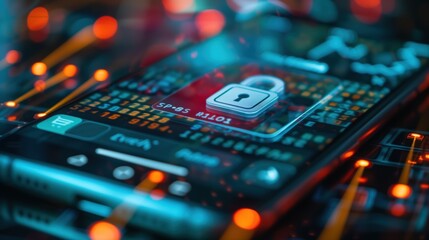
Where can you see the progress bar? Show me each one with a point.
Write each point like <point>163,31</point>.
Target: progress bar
<point>165,167</point>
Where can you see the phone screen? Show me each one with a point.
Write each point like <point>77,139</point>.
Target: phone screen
<point>231,121</point>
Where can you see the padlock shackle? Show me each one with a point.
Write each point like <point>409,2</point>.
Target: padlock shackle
<point>278,85</point>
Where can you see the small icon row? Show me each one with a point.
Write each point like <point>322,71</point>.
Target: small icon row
<point>178,188</point>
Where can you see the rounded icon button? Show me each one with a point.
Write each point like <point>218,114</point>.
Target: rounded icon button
<point>77,160</point>
<point>179,188</point>
<point>123,173</point>
<point>268,174</point>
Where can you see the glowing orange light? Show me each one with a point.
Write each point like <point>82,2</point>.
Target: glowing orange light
<point>427,156</point>
<point>11,118</point>
<point>424,186</point>
<point>11,104</point>
<point>368,3</point>
<point>40,85</point>
<point>102,230</point>
<point>156,176</point>
<point>101,75</point>
<point>247,218</point>
<point>415,135</point>
<point>39,68</point>
<point>41,115</point>
<point>70,70</point>
<point>347,155</point>
<point>37,19</point>
<point>178,6</point>
<point>363,180</point>
<point>362,163</point>
<point>12,56</point>
<point>401,191</point>
<point>105,27</point>
<point>209,22</point>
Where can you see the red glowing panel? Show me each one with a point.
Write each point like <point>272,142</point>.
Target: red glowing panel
<point>105,27</point>
<point>247,218</point>
<point>178,6</point>
<point>401,191</point>
<point>368,3</point>
<point>417,136</point>
<point>12,56</point>
<point>37,19</point>
<point>209,22</point>
<point>104,231</point>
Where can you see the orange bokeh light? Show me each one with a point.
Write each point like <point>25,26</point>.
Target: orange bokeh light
<point>11,104</point>
<point>417,136</point>
<point>178,6</point>
<point>40,115</point>
<point>398,209</point>
<point>39,68</point>
<point>12,56</point>
<point>105,27</point>
<point>40,85</point>
<point>209,22</point>
<point>362,163</point>
<point>347,155</point>
<point>247,218</point>
<point>11,118</point>
<point>37,19</point>
<point>101,75</point>
<point>156,176</point>
<point>102,230</point>
<point>401,191</point>
<point>157,194</point>
<point>70,70</point>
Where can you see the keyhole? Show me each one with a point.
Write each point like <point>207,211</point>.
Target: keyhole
<point>241,96</point>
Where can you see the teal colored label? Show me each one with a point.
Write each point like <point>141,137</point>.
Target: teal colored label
<point>59,123</point>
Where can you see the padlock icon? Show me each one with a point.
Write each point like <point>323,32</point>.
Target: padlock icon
<point>251,98</point>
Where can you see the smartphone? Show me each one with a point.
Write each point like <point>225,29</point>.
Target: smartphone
<point>252,118</point>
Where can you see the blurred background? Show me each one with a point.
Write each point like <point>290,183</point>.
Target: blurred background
<point>77,38</point>
<point>126,35</point>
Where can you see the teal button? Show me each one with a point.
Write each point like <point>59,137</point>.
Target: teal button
<point>59,123</point>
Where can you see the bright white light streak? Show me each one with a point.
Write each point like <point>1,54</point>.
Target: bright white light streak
<point>165,167</point>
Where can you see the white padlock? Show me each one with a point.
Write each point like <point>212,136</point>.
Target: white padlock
<point>249,99</point>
